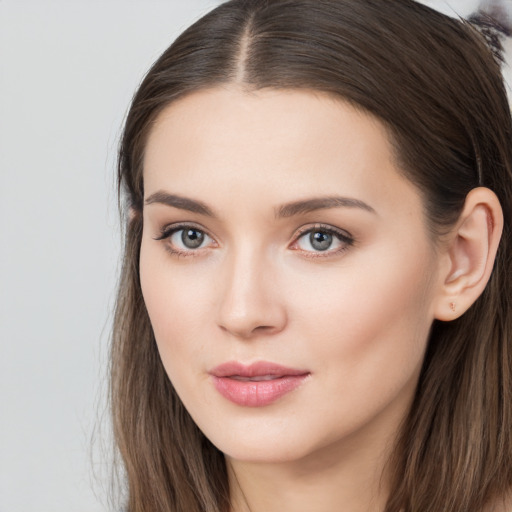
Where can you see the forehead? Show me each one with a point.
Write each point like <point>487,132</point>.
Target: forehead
<point>279,143</point>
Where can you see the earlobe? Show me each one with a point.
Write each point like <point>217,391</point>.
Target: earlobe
<point>471,251</point>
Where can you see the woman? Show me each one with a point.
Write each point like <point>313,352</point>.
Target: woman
<point>314,309</point>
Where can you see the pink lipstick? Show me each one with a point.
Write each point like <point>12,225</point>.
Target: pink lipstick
<point>256,385</point>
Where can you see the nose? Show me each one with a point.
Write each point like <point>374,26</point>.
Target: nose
<point>250,300</point>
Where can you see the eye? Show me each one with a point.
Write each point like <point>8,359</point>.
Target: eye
<point>317,240</point>
<point>185,239</point>
<point>189,238</point>
<point>323,240</point>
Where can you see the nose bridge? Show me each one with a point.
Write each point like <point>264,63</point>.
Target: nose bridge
<point>249,300</point>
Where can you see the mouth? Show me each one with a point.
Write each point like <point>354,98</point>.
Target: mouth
<point>258,384</point>
<point>259,378</point>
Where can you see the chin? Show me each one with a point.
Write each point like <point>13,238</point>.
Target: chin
<point>279,442</point>
<point>265,444</point>
<point>259,453</point>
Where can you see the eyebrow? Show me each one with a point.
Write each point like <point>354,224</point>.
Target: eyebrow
<point>321,203</point>
<point>183,203</point>
<point>284,211</point>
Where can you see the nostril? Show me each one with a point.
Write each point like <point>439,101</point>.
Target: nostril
<point>245,326</point>
<point>248,332</point>
<point>265,328</point>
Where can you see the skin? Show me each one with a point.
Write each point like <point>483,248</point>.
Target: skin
<point>355,317</point>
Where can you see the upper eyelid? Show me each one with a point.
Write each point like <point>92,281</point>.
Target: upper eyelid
<point>168,229</point>
<point>322,227</point>
<point>343,236</point>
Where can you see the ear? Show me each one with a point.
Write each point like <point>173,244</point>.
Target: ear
<point>468,256</point>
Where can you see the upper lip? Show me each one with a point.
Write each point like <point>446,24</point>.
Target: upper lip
<point>258,369</point>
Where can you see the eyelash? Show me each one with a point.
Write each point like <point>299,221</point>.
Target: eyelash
<point>168,231</point>
<point>342,236</point>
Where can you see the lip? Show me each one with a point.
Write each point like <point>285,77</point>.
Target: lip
<point>256,385</point>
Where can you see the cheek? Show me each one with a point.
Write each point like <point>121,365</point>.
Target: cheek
<point>176,301</point>
<point>370,324</point>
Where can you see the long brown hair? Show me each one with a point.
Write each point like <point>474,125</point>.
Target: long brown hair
<point>435,85</point>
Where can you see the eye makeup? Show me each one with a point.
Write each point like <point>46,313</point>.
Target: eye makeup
<point>192,239</point>
<point>313,241</point>
<point>323,239</point>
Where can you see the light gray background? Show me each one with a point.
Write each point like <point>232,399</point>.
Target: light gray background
<point>68,69</point>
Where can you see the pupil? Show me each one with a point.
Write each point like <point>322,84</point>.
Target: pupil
<point>320,241</point>
<point>192,238</point>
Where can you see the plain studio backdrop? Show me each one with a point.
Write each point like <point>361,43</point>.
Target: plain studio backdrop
<point>68,70</point>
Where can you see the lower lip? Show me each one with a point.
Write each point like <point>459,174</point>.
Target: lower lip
<point>257,393</point>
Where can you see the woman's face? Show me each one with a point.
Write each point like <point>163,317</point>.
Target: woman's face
<point>287,271</point>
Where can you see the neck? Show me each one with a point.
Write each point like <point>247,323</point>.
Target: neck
<point>351,475</point>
